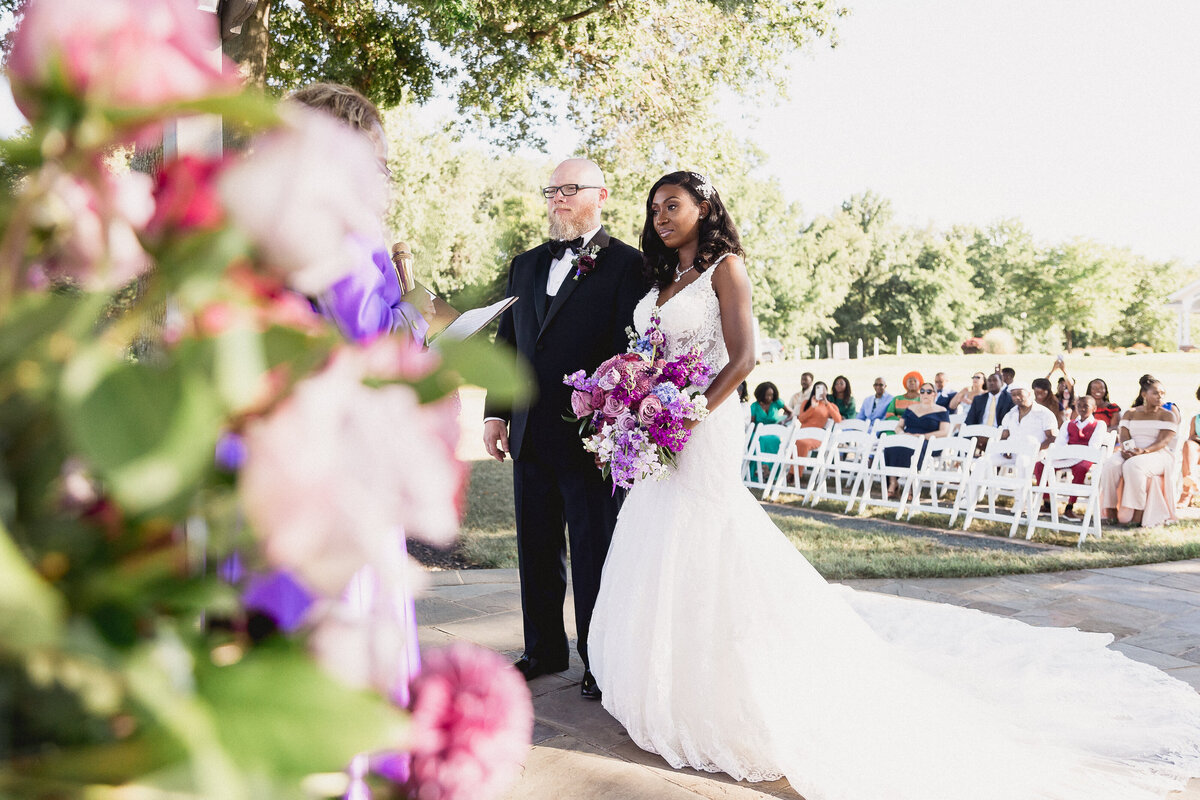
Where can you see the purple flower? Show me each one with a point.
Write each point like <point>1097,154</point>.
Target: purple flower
<point>230,452</point>
<point>581,404</point>
<point>649,409</point>
<point>280,597</point>
<point>584,264</point>
<point>613,406</point>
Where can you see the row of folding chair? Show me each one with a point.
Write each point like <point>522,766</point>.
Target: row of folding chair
<point>850,465</point>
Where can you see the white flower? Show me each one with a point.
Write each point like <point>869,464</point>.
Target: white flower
<point>303,194</point>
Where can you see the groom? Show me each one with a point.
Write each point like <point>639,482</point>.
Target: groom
<point>571,314</point>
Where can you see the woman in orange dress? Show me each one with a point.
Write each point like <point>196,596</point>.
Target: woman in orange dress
<point>815,412</point>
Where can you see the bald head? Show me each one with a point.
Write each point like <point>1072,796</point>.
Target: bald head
<point>582,171</point>
<point>574,215</point>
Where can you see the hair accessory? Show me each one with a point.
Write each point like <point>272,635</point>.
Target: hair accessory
<point>704,186</point>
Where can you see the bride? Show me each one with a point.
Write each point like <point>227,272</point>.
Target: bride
<point>719,647</point>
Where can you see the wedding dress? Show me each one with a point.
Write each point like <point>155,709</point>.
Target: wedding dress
<point>719,647</point>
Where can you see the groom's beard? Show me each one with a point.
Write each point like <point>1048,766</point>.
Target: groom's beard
<point>573,225</point>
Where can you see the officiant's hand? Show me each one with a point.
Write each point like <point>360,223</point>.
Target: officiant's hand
<point>495,438</point>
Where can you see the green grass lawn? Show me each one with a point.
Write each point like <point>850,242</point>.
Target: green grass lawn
<point>489,540</point>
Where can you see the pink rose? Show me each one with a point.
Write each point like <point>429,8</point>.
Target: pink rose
<point>310,195</point>
<point>597,399</point>
<point>609,379</point>
<point>116,53</point>
<point>185,196</point>
<point>649,409</point>
<point>581,404</point>
<point>339,468</point>
<point>472,722</point>
<point>613,407</point>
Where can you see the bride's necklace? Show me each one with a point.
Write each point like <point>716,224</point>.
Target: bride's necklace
<point>680,273</point>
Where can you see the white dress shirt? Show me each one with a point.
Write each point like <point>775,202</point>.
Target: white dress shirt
<point>560,268</point>
<point>1036,422</point>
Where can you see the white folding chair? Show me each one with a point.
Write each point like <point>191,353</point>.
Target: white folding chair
<point>995,475</point>
<point>793,465</point>
<point>846,458</point>
<point>1058,481</point>
<point>977,432</point>
<point>946,466</point>
<point>759,467</point>
<point>879,471</point>
<point>884,426</point>
<point>750,426</point>
<point>852,425</point>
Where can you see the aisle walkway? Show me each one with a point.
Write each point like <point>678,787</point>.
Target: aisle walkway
<point>581,753</point>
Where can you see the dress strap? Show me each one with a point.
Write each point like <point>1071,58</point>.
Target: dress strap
<point>712,268</point>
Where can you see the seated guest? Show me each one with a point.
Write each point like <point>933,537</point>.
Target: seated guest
<point>1042,396</point>
<point>990,407</point>
<point>1027,420</point>
<point>925,419</point>
<point>1065,391</point>
<point>875,406</point>
<point>1008,375</point>
<point>944,395</point>
<point>842,397</point>
<point>912,383</point>
<point>817,411</point>
<point>1106,411</point>
<point>967,394</point>
<point>801,397</point>
<point>1143,382</point>
<point>1065,397</point>
<point>1084,429</point>
<point>1138,477</point>
<point>767,409</point>
<point>1191,461</point>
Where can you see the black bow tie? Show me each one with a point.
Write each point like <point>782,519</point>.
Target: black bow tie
<point>557,248</point>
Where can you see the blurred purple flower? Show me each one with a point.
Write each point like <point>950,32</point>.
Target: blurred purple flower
<point>278,596</point>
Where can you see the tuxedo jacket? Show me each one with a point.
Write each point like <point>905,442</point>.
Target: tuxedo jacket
<point>1004,403</point>
<point>582,326</point>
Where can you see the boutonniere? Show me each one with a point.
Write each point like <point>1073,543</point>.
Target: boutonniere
<point>585,261</point>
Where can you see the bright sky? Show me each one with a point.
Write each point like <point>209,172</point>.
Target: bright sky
<point>1080,117</point>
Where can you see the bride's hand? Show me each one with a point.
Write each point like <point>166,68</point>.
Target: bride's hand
<point>690,424</point>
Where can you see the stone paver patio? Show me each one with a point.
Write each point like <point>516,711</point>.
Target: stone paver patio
<point>580,752</point>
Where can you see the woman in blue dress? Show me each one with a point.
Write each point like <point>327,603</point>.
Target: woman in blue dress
<point>926,419</point>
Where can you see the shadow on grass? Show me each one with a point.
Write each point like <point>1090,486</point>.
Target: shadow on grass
<point>841,553</point>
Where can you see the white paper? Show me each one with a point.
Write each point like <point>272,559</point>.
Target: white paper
<point>471,322</point>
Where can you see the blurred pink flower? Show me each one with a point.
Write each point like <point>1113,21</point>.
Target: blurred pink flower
<point>308,193</point>
<point>472,722</point>
<point>338,468</point>
<point>117,53</point>
<point>185,196</point>
<point>91,227</point>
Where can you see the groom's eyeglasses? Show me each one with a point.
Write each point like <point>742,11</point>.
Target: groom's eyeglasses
<point>568,190</point>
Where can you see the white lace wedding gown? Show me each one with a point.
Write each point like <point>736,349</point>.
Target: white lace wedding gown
<point>718,646</point>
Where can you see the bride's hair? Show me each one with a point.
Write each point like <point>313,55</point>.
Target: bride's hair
<point>718,235</point>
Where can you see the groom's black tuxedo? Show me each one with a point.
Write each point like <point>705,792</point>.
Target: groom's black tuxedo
<point>556,481</point>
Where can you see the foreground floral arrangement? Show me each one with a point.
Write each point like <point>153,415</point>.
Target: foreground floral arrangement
<point>205,490</point>
<point>636,404</point>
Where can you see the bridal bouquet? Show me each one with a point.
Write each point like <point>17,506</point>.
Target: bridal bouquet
<point>635,405</point>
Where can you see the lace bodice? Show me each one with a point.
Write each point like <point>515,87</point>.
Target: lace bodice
<point>691,318</point>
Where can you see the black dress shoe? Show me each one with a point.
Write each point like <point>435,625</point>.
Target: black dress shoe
<point>588,688</point>
<point>532,667</point>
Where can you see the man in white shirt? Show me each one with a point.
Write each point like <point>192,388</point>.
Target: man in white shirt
<point>796,405</point>
<point>875,406</point>
<point>1026,420</point>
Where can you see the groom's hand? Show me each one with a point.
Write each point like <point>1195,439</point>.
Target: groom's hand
<point>495,438</point>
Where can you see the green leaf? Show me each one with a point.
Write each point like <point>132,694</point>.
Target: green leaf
<point>247,108</point>
<point>36,316</point>
<point>240,365</point>
<point>479,363</point>
<point>32,613</point>
<point>148,431</point>
<point>277,711</point>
